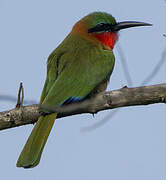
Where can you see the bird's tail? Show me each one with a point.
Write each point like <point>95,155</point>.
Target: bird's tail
<point>31,153</point>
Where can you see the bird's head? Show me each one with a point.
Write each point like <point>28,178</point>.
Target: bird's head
<point>103,28</point>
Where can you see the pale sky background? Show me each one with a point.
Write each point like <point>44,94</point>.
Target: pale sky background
<point>132,145</point>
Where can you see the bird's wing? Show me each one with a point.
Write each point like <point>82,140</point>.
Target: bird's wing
<point>72,80</point>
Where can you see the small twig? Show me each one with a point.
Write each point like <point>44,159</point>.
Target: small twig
<point>20,96</point>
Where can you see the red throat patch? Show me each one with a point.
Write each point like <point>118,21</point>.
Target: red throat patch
<point>107,38</point>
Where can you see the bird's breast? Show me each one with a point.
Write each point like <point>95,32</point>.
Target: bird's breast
<point>108,39</point>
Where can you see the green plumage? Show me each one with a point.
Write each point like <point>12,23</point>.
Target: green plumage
<point>30,155</point>
<point>88,66</point>
<point>74,69</point>
<point>79,67</point>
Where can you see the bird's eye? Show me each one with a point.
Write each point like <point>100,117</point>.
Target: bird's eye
<point>100,27</point>
<point>100,24</point>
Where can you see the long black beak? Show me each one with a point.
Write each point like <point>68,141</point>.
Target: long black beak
<point>127,24</point>
<point>116,27</point>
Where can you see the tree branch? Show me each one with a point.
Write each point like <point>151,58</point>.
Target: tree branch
<point>109,100</point>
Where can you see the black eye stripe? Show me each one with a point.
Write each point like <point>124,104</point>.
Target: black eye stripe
<point>100,27</point>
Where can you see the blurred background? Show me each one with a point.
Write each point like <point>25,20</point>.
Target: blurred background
<point>132,144</point>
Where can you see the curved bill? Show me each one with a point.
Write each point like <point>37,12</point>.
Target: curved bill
<point>128,24</point>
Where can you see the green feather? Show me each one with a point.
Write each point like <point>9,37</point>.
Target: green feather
<point>74,69</point>
<point>88,66</point>
<point>30,155</point>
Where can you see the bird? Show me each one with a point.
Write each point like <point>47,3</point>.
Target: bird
<point>78,69</point>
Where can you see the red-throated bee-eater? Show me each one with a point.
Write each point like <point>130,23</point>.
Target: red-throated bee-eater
<point>78,68</point>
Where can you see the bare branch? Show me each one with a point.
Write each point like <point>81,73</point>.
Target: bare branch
<point>108,100</point>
